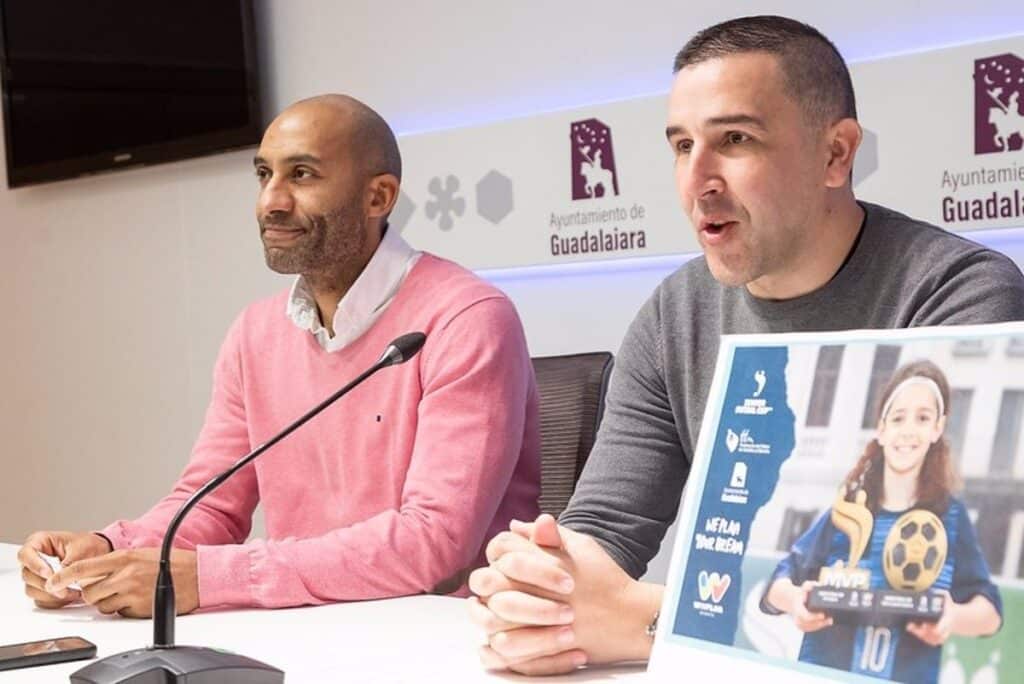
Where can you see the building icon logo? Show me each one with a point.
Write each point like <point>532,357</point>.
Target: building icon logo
<point>739,475</point>
<point>593,161</point>
<point>998,104</point>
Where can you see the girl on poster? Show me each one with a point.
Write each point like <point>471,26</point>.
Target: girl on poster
<point>906,466</point>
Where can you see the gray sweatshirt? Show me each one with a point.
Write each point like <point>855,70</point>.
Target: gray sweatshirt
<point>900,273</point>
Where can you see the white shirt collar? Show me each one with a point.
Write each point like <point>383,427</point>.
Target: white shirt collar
<point>364,302</point>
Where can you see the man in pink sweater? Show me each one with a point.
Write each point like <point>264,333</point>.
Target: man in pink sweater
<point>393,490</point>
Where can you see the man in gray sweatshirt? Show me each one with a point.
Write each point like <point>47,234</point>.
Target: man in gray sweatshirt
<point>762,123</point>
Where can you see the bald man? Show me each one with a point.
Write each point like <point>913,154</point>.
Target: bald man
<point>392,492</point>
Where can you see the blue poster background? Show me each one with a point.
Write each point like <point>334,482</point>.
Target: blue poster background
<point>757,430</point>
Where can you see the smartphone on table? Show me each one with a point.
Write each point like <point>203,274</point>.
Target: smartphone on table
<point>45,652</point>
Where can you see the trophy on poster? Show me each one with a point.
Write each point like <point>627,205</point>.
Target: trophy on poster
<point>912,558</point>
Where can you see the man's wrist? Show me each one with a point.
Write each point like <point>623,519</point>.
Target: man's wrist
<point>643,601</point>
<point>652,628</point>
<point>106,539</point>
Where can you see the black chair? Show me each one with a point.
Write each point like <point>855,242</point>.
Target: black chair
<point>572,390</point>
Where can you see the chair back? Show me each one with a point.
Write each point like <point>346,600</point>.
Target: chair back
<point>572,389</point>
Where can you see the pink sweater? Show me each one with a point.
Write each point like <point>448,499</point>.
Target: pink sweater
<point>388,492</point>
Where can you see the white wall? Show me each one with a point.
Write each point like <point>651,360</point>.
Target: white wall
<point>118,288</point>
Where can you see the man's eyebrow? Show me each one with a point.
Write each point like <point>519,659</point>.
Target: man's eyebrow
<point>673,130</point>
<point>294,159</point>
<point>732,119</point>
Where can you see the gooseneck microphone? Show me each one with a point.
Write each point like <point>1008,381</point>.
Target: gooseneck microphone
<point>165,662</point>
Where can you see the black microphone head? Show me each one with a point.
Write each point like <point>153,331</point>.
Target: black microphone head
<point>402,348</point>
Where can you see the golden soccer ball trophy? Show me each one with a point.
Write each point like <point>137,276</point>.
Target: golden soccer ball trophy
<point>915,551</point>
<point>912,558</point>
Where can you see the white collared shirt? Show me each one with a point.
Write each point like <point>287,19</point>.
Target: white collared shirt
<point>364,302</point>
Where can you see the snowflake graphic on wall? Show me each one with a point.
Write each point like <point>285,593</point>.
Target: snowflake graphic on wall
<point>445,203</point>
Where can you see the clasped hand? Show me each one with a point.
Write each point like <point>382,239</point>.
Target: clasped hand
<point>552,600</point>
<point>112,581</point>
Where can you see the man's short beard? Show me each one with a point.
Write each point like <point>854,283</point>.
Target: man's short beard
<point>333,244</point>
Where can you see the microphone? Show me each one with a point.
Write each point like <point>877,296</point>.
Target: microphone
<point>402,349</point>
<point>165,662</point>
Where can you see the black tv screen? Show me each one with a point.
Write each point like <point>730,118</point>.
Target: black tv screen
<point>94,85</point>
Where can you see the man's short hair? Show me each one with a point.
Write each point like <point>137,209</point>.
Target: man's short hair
<point>373,142</point>
<point>815,74</point>
<point>368,138</point>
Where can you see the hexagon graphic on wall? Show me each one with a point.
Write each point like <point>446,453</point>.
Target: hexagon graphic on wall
<point>401,212</point>
<point>866,161</point>
<point>494,197</point>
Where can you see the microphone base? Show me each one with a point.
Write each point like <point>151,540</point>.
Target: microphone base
<point>192,664</point>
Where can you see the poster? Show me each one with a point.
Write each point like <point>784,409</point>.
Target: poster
<point>877,473</point>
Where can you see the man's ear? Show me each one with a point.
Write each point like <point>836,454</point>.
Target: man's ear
<point>381,195</point>
<point>843,138</point>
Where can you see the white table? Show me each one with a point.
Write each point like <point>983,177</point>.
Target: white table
<point>412,639</point>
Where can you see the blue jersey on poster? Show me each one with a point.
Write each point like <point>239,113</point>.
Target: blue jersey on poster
<point>884,652</point>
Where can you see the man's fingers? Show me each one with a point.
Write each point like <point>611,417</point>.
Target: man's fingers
<point>484,618</point>
<point>535,569</point>
<point>41,596</point>
<point>31,579</point>
<point>87,571</point>
<point>28,557</point>
<point>523,529</point>
<point>44,599</point>
<point>49,603</point>
<point>490,659</point>
<point>545,532</point>
<point>487,581</point>
<point>79,548</point>
<point>40,593</point>
<point>96,593</point>
<point>560,663</point>
<point>528,643</point>
<point>552,665</point>
<point>137,611</point>
<point>516,606</point>
<point>112,604</point>
<point>505,542</point>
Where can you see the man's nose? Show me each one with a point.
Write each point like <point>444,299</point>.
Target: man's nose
<point>275,198</point>
<point>700,175</point>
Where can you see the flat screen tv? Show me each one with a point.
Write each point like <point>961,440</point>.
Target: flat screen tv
<point>96,85</point>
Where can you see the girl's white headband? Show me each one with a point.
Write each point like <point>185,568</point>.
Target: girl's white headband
<point>915,380</point>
